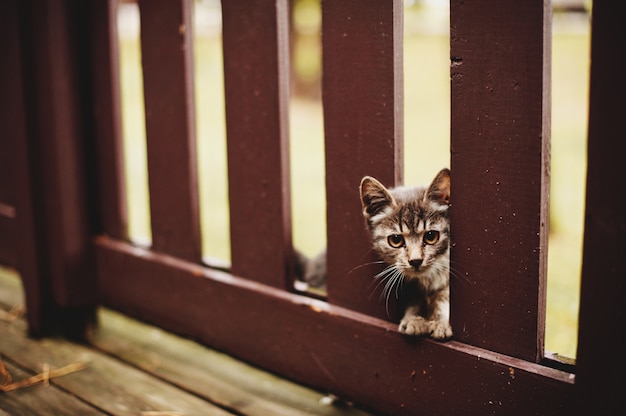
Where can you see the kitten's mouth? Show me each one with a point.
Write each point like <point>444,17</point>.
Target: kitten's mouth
<point>414,272</point>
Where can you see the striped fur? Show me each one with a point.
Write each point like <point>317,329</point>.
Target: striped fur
<point>410,231</point>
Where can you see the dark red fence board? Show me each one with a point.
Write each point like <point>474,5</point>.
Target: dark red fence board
<point>8,232</point>
<point>500,167</point>
<point>107,118</point>
<point>35,290</point>
<point>167,58</point>
<point>53,224</point>
<point>256,76</point>
<point>355,356</point>
<point>602,324</point>
<point>500,145</point>
<point>362,91</point>
<point>11,127</point>
<point>55,127</point>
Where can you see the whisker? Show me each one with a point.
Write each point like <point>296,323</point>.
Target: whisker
<point>447,268</point>
<point>380,278</point>
<point>382,275</point>
<point>459,276</point>
<point>396,280</point>
<point>399,287</point>
<point>361,264</point>
<point>371,263</point>
<point>389,286</point>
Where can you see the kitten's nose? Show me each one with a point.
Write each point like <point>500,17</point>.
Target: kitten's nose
<point>416,263</point>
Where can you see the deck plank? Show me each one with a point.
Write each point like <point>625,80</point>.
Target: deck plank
<point>136,367</point>
<point>107,383</point>
<point>11,293</point>
<point>210,374</point>
<point>41,401</point>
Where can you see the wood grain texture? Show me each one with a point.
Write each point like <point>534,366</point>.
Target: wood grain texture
<point>500,156</point>
<point>106,383</point>
<point>41,401</point>
<point>167,60</point>
<point>324,346</point>
<point>212,376</point>
<point>209,374</point>
<point>256,77</point>
<point>362,92</point>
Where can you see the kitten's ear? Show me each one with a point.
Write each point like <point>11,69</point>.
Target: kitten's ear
<point>439,190</point>
<point>374,196</point>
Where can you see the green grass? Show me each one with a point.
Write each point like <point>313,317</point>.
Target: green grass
<point>427,115</point>
<point>570,79</point>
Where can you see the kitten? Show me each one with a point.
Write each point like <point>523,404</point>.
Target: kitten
<point>312,271</point>
<point>410,232</point>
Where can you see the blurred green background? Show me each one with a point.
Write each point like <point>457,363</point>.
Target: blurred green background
<point>427,130</point>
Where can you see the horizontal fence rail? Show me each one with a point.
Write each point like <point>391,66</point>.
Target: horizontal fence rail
<point>68,201</point>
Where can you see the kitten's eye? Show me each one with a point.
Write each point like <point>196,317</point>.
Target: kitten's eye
<point>431,237</point>
<point>395,240</point>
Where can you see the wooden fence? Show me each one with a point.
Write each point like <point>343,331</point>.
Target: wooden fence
<point>63,214</point>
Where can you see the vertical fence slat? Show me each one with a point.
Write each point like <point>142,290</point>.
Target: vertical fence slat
<point>362,90</point>
<point>107,119</point>
<point>55,254</point>
<point>602,326</point>
<point>11,128</point>
<point>500,66</point>
<point>167,58</point>
<point>256,76</point>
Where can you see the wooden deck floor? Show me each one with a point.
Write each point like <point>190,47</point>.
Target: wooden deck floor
<point>130,368</point>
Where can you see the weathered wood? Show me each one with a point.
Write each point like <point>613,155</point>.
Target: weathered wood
<point>167,60</point>
<point>362,90</point>
<point>106,383</point>
<point>107,127</point>
<point>207,373</point>
<point>601,343</point>
<point>500,157</point>
<point>324,346</point>
<point>256,85</point>
<point>41,401</point>
<point>11,289</point>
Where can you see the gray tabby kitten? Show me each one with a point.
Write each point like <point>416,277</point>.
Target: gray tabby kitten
<point>410,231</point>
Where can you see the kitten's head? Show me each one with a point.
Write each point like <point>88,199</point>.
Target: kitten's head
<point>410,227</point>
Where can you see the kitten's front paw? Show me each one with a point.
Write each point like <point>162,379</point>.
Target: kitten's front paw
<point>440,329</point>
<point>414,325</point>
